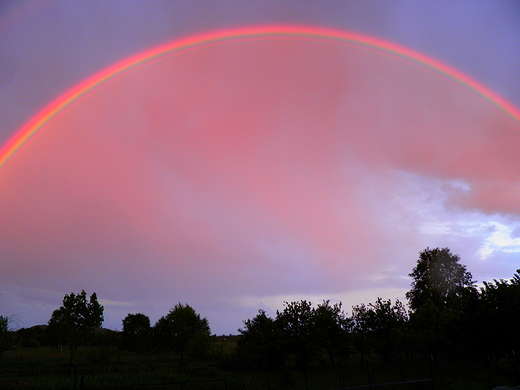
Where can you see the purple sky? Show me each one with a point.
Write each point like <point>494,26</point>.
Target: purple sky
<point>235,177</point>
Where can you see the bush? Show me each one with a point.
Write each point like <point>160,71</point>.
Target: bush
<point>30,343</point>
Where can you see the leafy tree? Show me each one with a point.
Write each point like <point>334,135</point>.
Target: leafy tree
<point>439,277</point>
<point>296,321</point>
<point>500,315</point>
<point>444,303</point>
<point>6,339</point>
<point>136,332</point>
<point>332,329</point>
<point>379,326</point>
<point>434,329</point>
<point>74,322</point>
<point>298,334</point>
<point>362,319</point>
<point>183,330</point>
<point>162,335</point>
<point>32,336</point>
<point>261,341</point>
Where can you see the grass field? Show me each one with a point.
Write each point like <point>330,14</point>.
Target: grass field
<point>109,368</point>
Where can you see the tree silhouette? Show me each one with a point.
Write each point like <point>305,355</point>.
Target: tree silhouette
<point>500,315</point>
<point>75,321</point>
<point>182,329</point>
<point>298,335</point>
<point>136,332</point>
<point>438,277</point>
<point>6,341</point>
<point>296,321</point>
<point>332,329</point>
<point>444,303</point>
<point>261,341</point>
<point>379,326</point>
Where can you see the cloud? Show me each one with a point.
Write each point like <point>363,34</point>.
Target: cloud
<point>109,302</point>
<point>501,239</point>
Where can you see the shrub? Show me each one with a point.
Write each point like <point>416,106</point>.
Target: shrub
<point>30,343</point>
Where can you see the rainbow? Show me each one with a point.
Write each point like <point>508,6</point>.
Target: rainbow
<point>247,34</point>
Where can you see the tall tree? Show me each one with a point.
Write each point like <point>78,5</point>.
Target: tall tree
<point>296,321</point>
<point>261,341</point>
<point>74,322</point>
<point>500,315</point>
<point>332,329</point>
<point>136,332</point>
<point>298,334</point>
<point>379,326</point>
<point>182,330</point>
<point>438,277</point>
<point>6,340</point>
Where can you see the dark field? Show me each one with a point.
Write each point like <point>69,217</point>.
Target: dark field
<point>110,368</point>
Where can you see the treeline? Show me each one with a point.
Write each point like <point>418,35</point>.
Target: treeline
<point>78,323</point>
<point>182,330</point>
<point>446,316</point>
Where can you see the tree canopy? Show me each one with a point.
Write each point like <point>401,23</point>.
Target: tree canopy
<point>379,326</point>
<point>75,321</point>
<point>300,332</point>
<point>260,341</point>
<point>136,332</point>
<point>6,342</point>
<point>182,330</point>
<point>439,277</point>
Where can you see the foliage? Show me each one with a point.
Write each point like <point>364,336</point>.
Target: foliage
<point>298,335</point>
<point>36,333</point>
<point>451,320</point>
<point>31,343</point>
<point>500,315</point>
<point>379,326</point>
<point>74,322</point>
<point>183,330</point>
<point>296,322</point>
<point>433,328</point>
<point>260,343</point>
<point>438,277</point>
<point>332,329</point>
<point>6,339</point>
<point>444,304</point>
<point>136,332</point>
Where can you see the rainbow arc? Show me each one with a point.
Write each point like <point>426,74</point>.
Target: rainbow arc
<point>31,128</point>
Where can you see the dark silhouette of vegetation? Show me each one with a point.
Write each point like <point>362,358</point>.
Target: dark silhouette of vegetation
<point>34,336</point>
<point>448,321</point>
<point>379,327</point>
<point>296,322</point>
<point>332,328</point>
<point>499,316</point>
<point>261,341</point>
<point>74,322</point>
<point>184,331</point>
<point>299,335</point>
<point>6,337</point>
<point>137,333</point>
<point>448,318</point>
<point>438,277</point>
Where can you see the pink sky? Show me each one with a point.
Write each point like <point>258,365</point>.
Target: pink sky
<point>234,177</point>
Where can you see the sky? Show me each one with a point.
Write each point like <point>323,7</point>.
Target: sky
<point>234,176</point>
